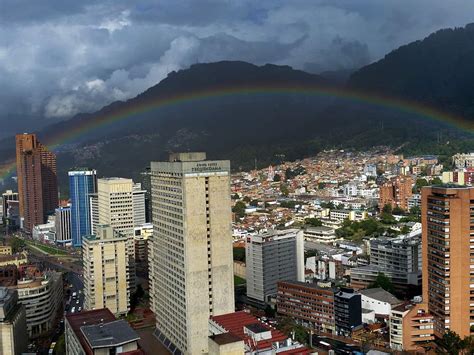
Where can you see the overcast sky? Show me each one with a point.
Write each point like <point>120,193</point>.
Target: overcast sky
<point>61,57</point>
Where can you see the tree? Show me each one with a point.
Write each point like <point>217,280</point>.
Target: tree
<point>246,199</point>
<point>405,229</point>
<point>321,185</point>
<point>398,211</point>
<point>239,254</point>
<point>387,208</point>
<point>239,209</point>
<point>314,222</point>
<point>415,210</point>
<point>284,189</point>
<point>17,244</point>
<point>420,183</point>
<point>277,178</point>
<point>384,282</point>
<point>451,343</point>
<point>235,196</point>
<point>436,181</point>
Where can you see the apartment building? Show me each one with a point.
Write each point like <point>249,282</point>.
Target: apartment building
<point>12,323</point>
<point>106,270</point>
<point>447,216</point>
<point>411,326</point>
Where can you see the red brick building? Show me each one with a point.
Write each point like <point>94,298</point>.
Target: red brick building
<point>37,180</point>
<point>396,192</point>
<point>307,303</point>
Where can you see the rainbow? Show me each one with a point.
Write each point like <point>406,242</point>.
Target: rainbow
<point>398,104</point>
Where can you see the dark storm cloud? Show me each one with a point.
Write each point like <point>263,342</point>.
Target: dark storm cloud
<point>61,57</point>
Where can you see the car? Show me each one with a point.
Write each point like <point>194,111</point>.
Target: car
<point>74,294</point>
<point>79,309</point>
<point>73,310</point>
<point>77,301</point>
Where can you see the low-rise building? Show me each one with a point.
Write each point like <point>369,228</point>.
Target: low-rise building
<point>411,326</point>
<point>16,259</point>
<point>379,301</point>
<point>12,323</point>
<point>351,215</point>
<point>97,332</point>
<point>5,250</point>
<point>347,311</point>
<point>240,333</point>
<point>319,234</point>
<point>45,232</point>
<point>310,304</point>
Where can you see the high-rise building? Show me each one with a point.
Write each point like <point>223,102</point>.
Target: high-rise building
<point>62,224</point>
<point>396,192</point>
<point>115,206</point>
<point>192,272</point>
<point>37,180</point>
<point>8,195</point>
<point>94,211</point>
<point>271,257</point>
<point>12,323</point>
<point>115,199</point>
<point>139,210</point>
<point>82,183</point>
<point>448,257</point>
<point>106,260</point>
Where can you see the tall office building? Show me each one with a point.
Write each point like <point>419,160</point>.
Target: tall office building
<point>37,180</point>
<point>62,224</point>
<point>106,270</point>
<point>115,200</point>
<point>448,257</point>
<point>271,257</point>
<point>82,183</point>
<point>115,206</point>
<point>139,209</point>
<point>192,271</point>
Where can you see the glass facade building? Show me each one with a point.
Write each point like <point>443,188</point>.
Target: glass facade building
<point>82,183</point>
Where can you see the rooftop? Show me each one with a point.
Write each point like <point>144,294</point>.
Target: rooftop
<point>234,324</point>
<point>381,295</point>
<point>78,320</point>
<point>225,338</point>
<point>112,334</point>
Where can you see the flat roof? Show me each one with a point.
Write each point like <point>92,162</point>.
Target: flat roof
<point>381,295</point>
<point>225,338</point>
<point>104,335</point>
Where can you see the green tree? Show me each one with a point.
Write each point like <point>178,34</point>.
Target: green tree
<point>420,183</point>
<point>239,254</point>
<point>277,178</point>
<point>284,189</point>
<point>415,210</point>
<point>17,244</point>
<point>60,348</point>
<point>384,282</point>
<point>315,222</point>
<point>321,185</point>
<point>405,230</point>
<point>387,208</point>
<point>398,211</point>
<point>451,343</point>
<point>436,181</point>
<point>235,196</point>
<point>246,199</point>
<point>239,209</point>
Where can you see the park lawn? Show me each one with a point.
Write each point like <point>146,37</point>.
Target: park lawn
<point>238,280</point>
<point>48,249</point>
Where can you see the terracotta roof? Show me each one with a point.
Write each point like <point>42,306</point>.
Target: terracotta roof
<point>235,323</point>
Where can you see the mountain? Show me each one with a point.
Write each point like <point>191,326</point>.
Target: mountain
<point>438,71</point>
<point>257,114</point>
